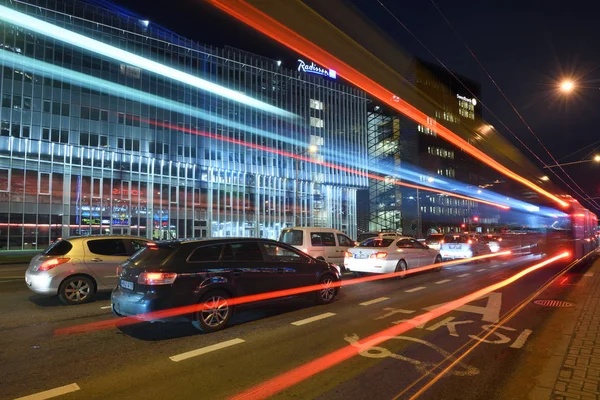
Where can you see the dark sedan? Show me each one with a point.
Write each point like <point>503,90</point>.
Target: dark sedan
<point>172,274</point>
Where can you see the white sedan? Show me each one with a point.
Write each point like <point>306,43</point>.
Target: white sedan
<point>386,254</point>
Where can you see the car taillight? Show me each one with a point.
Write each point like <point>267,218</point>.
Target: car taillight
<point>348,254</point>
<point>379,254</point>
<point>152,246</point>
<point>499,239</point>
<point>157,278</point>
<point>470,241</point>
<point>48,265</point>
<point>442,241</point>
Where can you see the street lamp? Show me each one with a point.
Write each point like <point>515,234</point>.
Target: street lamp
<point>595,159</point>
<point>310,149</point>
<point>567,86</point>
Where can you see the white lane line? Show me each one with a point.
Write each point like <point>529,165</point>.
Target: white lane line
<point>589,274</point>
<point>13,280</point>
<point>313,319</point>
<point>494,266</point>
<point>207,349</point>
<point>443,281</point>
<point>105,307</point>
<point>463,275</point>
<point>480,270</point>
<point>415,289</point>
<point>378,300</point>
<point>13,277</point>
<point>48,394</point>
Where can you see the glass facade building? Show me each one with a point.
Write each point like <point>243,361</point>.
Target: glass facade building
<point>93,143</point>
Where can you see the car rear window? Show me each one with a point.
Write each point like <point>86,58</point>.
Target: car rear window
<point>376,242</point>
<point>291,237</point>
<point>59,248</point>
<point>155,255</point>
<point>434,238</point>
<point>456,239</point>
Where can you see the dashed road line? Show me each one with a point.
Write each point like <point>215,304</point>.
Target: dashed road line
<point>589,274</point>
<point>377,300</point>
<point>105,307</point>
<point>443,281</point>
<point>207,349</point>
<point>48,394</point>
<point>480,270</point>
<point>415,289</point>
<point>313,319</point>
<point>12,280</point>
<point>463,275</point>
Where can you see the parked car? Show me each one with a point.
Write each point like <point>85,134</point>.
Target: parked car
<point>461,245</point>
<point>75,268</point>
<point>172,274</point>
<point>435,240</point>
<point>368,235</point>
<point>321,243</point>
<point>494,243</point>
<point>386,254</point>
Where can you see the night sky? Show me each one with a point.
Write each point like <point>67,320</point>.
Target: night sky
<point>526,46</point>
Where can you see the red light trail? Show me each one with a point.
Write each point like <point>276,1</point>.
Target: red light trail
<point>305,371</point>
<point>157,315</point>
<point>267,25</point>
<point>323,163</point>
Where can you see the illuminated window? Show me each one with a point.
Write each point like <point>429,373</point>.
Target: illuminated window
<point>316,104</point>
<point>317,122</point>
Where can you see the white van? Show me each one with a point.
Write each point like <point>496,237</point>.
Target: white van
<point>321,243</point>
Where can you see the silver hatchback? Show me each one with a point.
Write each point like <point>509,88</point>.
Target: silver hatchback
<point>77,267</point>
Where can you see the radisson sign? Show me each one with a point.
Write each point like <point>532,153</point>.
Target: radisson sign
<point>473,101</point>
<point>313,68</point>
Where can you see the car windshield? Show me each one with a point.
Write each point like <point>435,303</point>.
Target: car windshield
<point>292,237</point>
<point>377,242</point>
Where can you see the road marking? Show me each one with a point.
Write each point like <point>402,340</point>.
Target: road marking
<point>14,280</point>
<point>589,274</point>
<point>13,277</point>
<point>105,307</point>
<point>207,349</point>
<point>48,394</point>
<point>313,319</point>
<point>520,341</point>
<point>378,300</point>
<point>415,289</point>
<point>494,266</point>
<point>443,281</point>
<point>480,270</point>
<point>463,275</point>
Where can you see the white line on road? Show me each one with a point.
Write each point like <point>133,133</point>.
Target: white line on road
<point>463,275</point>
<point>105,307</point>
<point>589,274</point>
<point>480,270</point>
<point>48,394</point>
<point>443,281</point>
<point>415,289</point>
<point>378,300</point>
<point>520,341</point>
<point>207,349</point>
<point>13,277</point>
<point>13,280</point>
<point>313,319</point>
<point>494,266</point>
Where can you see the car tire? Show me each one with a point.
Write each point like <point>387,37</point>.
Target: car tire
<point>78,289</point>
<point>328,293</point>
<point>216,313</point>
<point>401,269</point>
<point>438,260</point>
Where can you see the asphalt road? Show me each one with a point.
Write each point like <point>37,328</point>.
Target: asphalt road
<point>153,360</point>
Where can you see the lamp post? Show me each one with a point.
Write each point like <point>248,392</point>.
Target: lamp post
<point>310,149</point>
<point>596,159</point>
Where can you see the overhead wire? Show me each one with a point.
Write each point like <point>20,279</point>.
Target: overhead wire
<point>584,196</point>
<point>594,204</point>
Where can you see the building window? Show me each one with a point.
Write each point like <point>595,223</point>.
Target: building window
<point>316,104</point>
<point>4,181</point>
<point>44,183</point>
<point>130,71</point>
<point>317,122</point>
<point>47,106</point>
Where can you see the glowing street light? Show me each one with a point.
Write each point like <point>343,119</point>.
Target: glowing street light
<point>567,86</point>
<point>595,159</point>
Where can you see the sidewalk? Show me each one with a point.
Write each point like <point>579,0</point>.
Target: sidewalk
<point>579,376</point>
<point>571,362</point>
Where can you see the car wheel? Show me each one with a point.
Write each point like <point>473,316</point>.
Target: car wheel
<point>401,269</point>
<point>438,260</point>
<point>77,289</point>
<point>327,294</point>
<point>214,312</point>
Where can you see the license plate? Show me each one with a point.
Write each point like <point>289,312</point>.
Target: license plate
<point>126,284</point>
<point>360,256</point>
<point>455,246</point>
